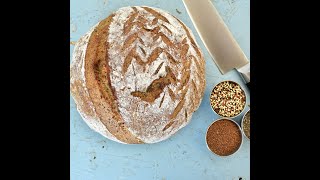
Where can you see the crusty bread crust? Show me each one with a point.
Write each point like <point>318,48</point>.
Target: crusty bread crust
<point>79,90</point>
<point>138,75</point>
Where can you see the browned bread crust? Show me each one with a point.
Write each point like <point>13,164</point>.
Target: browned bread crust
<point>138,75</point>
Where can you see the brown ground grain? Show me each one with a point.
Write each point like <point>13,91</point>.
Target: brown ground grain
<point>224,137</point>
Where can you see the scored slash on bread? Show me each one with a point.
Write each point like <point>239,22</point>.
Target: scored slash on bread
<point>139,77</point>
<point>156,87</point>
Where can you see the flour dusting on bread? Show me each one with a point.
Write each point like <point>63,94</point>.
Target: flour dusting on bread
<point>156,72</point>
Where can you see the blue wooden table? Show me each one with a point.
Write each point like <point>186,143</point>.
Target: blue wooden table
<point>183,156</point>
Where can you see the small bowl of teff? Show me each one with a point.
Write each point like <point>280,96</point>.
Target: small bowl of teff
<point>227,99</point>
<point>224,137</point>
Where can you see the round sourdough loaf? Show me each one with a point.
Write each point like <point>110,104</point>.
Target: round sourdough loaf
<point>138,75</point>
